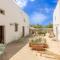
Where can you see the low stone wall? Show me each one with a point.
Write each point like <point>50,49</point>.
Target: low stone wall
<point>41,30</point>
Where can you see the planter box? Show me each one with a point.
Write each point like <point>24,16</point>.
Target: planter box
<point>38,44</point>
<point>38,47</point>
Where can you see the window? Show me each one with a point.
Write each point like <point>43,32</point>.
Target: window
<point>16,27</point>
<point>2,12</point>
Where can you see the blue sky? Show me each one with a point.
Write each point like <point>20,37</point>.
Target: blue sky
<point>39,11</point>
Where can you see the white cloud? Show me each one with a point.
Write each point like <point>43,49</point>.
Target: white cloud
<point>32,0</point>
<point>38,17</point>
<point>46,9</point>
<point>49,10</point>
<point>22,3</point>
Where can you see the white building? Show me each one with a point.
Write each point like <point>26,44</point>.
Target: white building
<point>56,20</point>
<point>13,22</point>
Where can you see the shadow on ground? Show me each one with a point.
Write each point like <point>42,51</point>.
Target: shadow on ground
<point>51,55</point>
<point>13,48</point>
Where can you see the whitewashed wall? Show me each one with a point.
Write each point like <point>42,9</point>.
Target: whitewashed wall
<point>13,14</point>
<point>56,20</point>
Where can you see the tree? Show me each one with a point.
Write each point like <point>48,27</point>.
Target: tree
<point>37,26</point>
<point>49,26</point>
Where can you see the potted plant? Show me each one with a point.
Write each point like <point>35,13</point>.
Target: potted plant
<point>38,44</point>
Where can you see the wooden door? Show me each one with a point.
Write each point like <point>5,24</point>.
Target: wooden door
<point>23,31</point>
<point>1,34</point>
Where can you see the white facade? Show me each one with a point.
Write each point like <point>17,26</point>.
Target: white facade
<point>56,20</point>
<point>13,15</point>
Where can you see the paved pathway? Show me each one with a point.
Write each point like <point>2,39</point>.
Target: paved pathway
<point>52,53</point>
<point>13,48</point>
<point>54,46</point>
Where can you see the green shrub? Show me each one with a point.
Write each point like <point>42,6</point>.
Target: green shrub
<point>38,41</point>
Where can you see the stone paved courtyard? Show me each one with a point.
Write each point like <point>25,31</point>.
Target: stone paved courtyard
<point>52,53</point>
<point>20,50</point>
<point>13,48</point>
<point>27,54</point>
